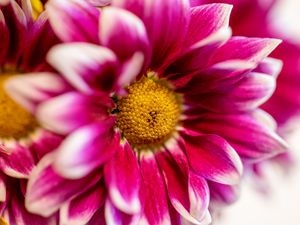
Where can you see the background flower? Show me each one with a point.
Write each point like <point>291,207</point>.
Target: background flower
<point>23,46</point>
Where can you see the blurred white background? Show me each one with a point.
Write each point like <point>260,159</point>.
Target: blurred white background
<point>281,207</point>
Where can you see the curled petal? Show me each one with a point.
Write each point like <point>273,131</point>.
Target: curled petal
<point>70,111</point>
<point>89,68</point>
<point>213,158</point>
<point>116,23</point>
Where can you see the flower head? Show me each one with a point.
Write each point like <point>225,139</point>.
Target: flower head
<point>23,46</point>
<point>158,102</point>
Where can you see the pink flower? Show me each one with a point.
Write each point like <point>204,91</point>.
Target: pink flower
<point>23,46</point>
<point>158,101</point>
<point>253,18</point>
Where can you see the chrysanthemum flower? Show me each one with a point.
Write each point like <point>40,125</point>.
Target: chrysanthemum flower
<point>23,46</point>
<point>166,104</point>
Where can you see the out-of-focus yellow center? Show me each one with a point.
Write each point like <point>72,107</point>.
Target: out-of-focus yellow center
<point>37,8</point>
<point>15,121</point>
<point>3,221</point>
<point>148,115</point>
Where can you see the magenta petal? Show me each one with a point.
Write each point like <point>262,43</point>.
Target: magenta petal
<point>4,39</point>
<point>114,216</point>
<point>86,149</point>
<point>122,178</point>
<point>45,142</point>
<point>247,94</point>
<point>188,194</point>
<point>165,21</point>
<point>242,48</point>
<point>223,194</point>
<point>240,130</point>
<point>17,25</point>
<point>197,58</point>
<point>70,111</point>
<point>81,209</point>
<point>270,66</point>
<point>47,191</point>
<point>89,68</point>
<point>205,20</point>
<point>98,218</point>
<point>124,33</point>
<point>18,214</point>
<point>18,162</point>
<point>153,193</point>
<point>78,20</point>
<point>32,89</point>
<point>213,158</point>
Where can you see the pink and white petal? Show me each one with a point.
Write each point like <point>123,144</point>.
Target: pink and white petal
<point>122,177</point>
<point>196,58</point>
<point>163,20</point>
<point>246,132</point>
<point>31,89</point>
<point>199,197</point>
<point>82,208</point>
<point>153,193</point>
<point>70,111</point>
<point>211,157</point>
<point>114,216</point>
<point>47,191</point>
<point>242,48</point>
<point>130,69</point>
<point>98,218</point>
<point>18,162</point>
<point>44,142</point>
<point>124,33</point>
<point>86,149</point>
<point>206,20</point>
<point>218,76</point>
<point>186,199</point>
<point>270,66</point>
<point>78,20</point>
<point>89,68</point>
<point>247,94</point>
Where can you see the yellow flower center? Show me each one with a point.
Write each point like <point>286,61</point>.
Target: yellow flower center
<point>37,8</point>
<point>15,121</point>
<point>148,115</point>
<point>3,221</point>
